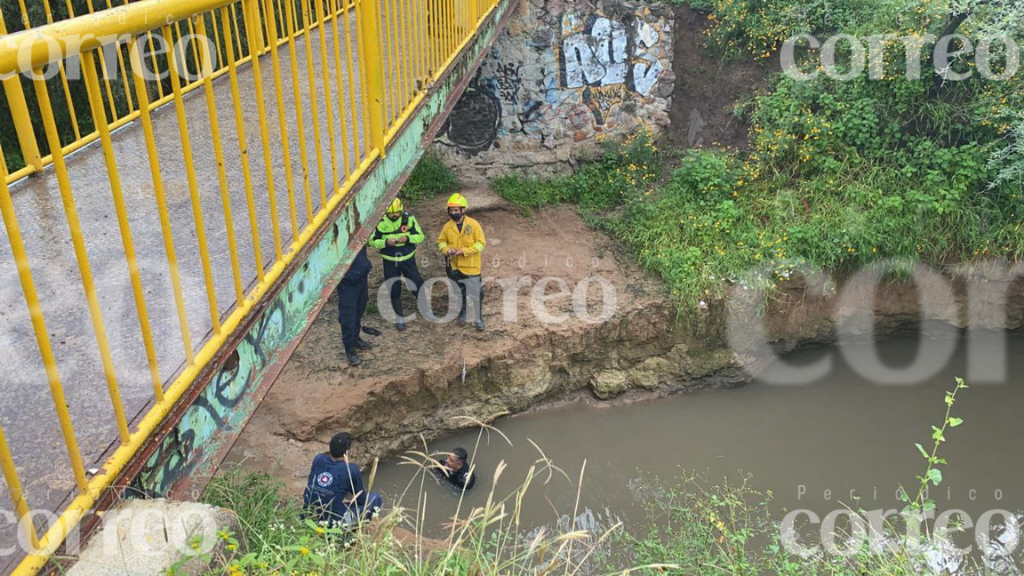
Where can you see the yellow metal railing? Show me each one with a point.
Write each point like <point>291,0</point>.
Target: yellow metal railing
<point>383,56</point>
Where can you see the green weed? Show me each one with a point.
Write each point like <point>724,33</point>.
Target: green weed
<point>431,177</point>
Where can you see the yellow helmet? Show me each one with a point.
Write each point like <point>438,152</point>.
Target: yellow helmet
<point>457,201</point>
<point>395,207</point>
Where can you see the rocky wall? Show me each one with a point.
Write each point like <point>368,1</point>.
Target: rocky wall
<point>562,76</point>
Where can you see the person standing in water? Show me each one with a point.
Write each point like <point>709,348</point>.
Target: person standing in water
<point>455,469</point>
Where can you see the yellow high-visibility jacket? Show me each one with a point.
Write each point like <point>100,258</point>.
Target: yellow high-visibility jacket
<point>471,241</point>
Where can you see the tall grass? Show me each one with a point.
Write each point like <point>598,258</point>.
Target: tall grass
<point>481,540</point>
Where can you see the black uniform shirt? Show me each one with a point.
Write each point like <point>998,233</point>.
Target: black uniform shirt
<point>461,479</point>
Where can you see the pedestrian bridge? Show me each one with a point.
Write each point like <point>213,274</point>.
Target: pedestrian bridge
<point>189,181</point>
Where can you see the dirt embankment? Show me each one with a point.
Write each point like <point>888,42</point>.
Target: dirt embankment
<point>708,89</point>
<point>412,383</point>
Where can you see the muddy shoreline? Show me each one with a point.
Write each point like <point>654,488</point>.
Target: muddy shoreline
<point>411,385</point>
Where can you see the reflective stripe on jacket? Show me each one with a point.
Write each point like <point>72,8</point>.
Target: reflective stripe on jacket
<point>470,240</point>
<point>387,229</point>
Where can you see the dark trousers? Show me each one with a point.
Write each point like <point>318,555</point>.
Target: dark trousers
<point>352,299</point>
<point>353,512</point>
<point>404,269</point>
<point>472,290</point>
<point>374,502</point>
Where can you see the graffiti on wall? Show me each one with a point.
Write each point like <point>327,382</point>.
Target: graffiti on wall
<point>560,78</point>
<point>474,122</point>
<point>598,52</point>
<point>508,81</point>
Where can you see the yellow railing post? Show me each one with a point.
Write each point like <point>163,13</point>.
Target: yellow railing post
<point>17,495</point>
<point>19,112</point>
<point>372,65</point>
<point>28,288</point>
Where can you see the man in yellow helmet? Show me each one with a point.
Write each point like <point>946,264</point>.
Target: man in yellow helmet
<point>461,241</point>
<point>396,236</point>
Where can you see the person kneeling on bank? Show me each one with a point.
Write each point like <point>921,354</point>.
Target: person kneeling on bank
<point>334,492</point>
<point>455,469</point>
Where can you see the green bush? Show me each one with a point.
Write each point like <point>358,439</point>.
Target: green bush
<point>618,172</point>
<point>430,177</point>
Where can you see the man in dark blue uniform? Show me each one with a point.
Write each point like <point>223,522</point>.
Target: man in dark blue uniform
<point>353,294</point>
<point>334,491</point>
<point>455,469</point>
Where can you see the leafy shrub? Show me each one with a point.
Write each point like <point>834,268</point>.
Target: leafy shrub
<point>430,177</point>
<point>619,171</point>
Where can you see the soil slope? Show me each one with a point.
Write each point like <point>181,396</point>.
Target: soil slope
<point>412,383</point>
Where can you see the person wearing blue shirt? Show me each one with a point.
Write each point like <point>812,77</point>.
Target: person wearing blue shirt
<point>353,295</point>
<point>334,491</point>
<point>455,469</point>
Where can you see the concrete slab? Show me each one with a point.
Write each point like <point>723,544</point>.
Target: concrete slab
<point>147,537</point>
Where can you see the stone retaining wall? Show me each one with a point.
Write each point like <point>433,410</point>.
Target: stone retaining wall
<point>562,76</point>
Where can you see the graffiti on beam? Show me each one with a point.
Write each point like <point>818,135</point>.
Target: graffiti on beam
<point>221,408</point>
<point>218,406</point>
<point>601,52</point>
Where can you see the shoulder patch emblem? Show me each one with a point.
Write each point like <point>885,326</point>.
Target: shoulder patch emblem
<point>324,479</point>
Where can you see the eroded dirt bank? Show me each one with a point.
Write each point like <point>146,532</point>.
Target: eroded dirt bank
<point>412,384</point>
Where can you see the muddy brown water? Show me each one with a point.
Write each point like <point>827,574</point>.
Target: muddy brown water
<point>810,445</point>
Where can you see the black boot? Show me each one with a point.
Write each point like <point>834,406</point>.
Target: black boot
<point>371,330</point>
<point>362,345</point>
<point>353,358</point>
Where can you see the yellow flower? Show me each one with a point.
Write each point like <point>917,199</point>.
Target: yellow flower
<point>304,551</point>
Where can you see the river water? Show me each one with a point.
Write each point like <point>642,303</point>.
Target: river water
<point>810,445</point>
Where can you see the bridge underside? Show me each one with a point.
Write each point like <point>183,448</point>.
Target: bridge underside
<point>202,426</point>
